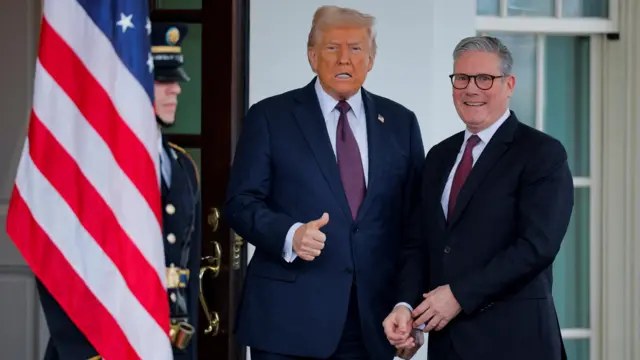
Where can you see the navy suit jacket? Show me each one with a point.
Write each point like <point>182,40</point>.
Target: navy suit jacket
<point>496,251</point>
<point>284,172</point>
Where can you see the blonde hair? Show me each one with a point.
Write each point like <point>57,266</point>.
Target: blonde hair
<point>327,17</point>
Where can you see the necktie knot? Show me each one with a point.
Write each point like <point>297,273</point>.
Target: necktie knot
<point>343,107</point>
<point>472,142</point>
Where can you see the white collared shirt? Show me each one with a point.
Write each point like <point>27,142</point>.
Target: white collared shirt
<point>357,122</point>
<point>485,136</point>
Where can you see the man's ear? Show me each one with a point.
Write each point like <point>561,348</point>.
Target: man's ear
<point>313,59</point>
<point>371,61</point>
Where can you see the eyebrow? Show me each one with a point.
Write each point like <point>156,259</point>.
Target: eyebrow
<point>334,42</point>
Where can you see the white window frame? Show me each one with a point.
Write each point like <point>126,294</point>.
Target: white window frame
<point>550,24</point>
<point>595,28</point>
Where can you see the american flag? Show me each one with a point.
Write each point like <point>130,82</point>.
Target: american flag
<point>85,209</point>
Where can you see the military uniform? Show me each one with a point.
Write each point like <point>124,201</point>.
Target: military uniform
<point>182,228</point>
<point>66,341</point>
<point>181,216</point>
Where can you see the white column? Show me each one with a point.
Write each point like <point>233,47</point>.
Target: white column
<point>416,39</point>
<point>619,333</point>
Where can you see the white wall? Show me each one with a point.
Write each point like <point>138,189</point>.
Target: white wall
<point>415,42</point>
<point>27,335</point>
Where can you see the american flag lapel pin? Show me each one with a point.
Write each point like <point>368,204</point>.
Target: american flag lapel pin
<point>380,118</point>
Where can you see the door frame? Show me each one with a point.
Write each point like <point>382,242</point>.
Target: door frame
<point>225,46</point>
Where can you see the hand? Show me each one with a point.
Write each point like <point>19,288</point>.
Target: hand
<point>308,240</point>
<point>397,327</point>
<point>438,308</point>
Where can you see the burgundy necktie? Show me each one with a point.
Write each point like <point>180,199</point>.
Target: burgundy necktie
<point>349,161</point>
<point>463,170</point>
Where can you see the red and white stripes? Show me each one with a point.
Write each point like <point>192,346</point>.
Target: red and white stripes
<point>85,211</point>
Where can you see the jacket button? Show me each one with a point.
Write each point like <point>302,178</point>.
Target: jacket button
<point>170,209</point>
<point>171,238</point>
<point>447,249</point>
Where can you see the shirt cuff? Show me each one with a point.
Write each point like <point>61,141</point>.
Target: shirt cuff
<point>404,304</point>
<point>421,327</point>
<point>287,251</point>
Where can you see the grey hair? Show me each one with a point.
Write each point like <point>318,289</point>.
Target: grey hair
<point>487,44</point>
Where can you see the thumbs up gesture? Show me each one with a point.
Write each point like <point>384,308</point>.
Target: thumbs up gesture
<point>308,240</point>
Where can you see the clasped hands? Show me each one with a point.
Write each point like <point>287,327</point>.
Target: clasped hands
<point>437,309</point>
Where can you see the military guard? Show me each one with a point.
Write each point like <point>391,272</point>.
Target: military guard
<point>181,218</point>
<point>180,193</point>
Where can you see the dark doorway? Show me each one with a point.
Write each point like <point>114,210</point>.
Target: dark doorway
<point>210,110</point>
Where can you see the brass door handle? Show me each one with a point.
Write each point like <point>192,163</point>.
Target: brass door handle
<point>213,262</point>
<point>213,319</point>
<point>214,219</point>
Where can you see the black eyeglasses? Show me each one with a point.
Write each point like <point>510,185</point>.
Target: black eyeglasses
<point>483,81</point>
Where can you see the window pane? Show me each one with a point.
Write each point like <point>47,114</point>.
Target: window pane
<point>577,349</point>
<point>523,50</point>
<point>571,268</point>
<point>488,7</point>
<point>189,102</point>
<point>531,7</point>
<point>566,113</point>
<point>179,4</point>
<point>585,8</point>
<point>195,153</point>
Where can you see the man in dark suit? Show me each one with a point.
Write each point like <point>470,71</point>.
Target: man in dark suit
<point>181,220</point>
<point>496,201</point>
<point>321,186</point>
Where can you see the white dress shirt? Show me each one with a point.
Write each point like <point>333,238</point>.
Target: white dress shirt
<point>485,136</point>
<point>358,124</point>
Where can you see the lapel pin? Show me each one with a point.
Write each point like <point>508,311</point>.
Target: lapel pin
<point>380,118</point>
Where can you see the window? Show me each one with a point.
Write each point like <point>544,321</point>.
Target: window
<point>179,4</point>
<point>188,114</point>
<point>556,47</point>
<point>548,16</point>
<point>187,128</point>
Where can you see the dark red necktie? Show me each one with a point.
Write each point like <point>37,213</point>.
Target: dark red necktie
<point>349,161</point>
<point>463,170</point>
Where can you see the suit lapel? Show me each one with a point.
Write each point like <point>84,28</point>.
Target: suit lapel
<point>376,139</point>
<point>309,117</point>
<point>494,150</point>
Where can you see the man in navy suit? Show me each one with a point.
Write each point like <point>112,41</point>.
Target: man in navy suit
<point>496,201</point>
<point>321,186</point>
